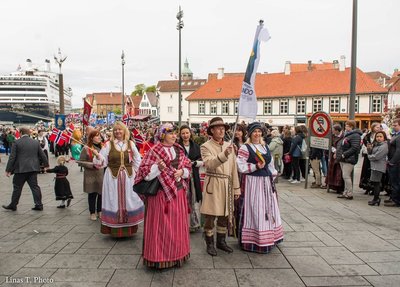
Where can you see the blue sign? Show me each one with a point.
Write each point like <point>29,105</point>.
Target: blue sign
<point>110,118</point>
<point>60,122</point>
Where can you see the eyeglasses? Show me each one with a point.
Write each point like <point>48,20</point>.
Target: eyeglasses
<point>168,130</point>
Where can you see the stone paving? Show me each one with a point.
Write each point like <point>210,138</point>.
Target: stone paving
<point>328,242</point>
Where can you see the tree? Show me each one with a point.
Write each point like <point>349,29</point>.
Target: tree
<point>139,90</point>
<point>151,89</point>
<point>117,110</point>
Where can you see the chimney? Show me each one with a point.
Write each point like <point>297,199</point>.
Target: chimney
<point>287,68</point>
<point>220,73</point>
<point>342,63</point>
<point>335,64</point>
<point>309,67</point>
<point>47,65</point>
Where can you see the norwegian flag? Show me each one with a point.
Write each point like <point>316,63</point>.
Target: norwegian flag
<point>127,120</point>
<point>57,137</point>
<point>138,138</point>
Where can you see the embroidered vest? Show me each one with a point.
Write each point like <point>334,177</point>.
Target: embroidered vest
<point>119,160</point>
<point>252,159</point>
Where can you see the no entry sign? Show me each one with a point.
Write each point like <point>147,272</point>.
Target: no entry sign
<point>320,127</point>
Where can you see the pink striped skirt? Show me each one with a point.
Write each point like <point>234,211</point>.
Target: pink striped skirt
<point>166,231</point>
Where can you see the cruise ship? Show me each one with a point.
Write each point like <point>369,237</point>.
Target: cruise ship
<point>32,94</point>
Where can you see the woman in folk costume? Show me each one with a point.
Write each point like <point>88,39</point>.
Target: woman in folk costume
<point>166,231</point>
<point>192,151</point>
<point>122,209</point>
<point>92,176</point>
<point>335,179</point>
<point>260,227</point>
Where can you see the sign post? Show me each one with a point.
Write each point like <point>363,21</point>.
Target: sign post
<point>320,127</point>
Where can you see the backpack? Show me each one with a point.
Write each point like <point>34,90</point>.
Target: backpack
<point>303,148</point>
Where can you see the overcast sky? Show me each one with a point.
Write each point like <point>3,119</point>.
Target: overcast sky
<point>217,33</point>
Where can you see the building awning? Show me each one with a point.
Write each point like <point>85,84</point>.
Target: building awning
<point>141,117</point>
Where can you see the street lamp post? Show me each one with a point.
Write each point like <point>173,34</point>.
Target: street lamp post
<point>352,99</point>
<point>60,60</point>
<point>179,27</point>
<point>123,82</point>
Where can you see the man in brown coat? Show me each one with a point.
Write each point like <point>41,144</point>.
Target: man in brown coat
<point>221,185</point>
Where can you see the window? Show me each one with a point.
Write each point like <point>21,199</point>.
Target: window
<point>170,96</point>
<point>213,108</point>
<point>268,107</point>
<point>334,105</point>
<point>236,107</point>
<point>202,109</point>
<point>225,108</point>
<point>170,109</point>
<point>317,105</point>
<point>283,106</point>
<point>301,106</point>
<point>376,104</point>
<point>356,105</point>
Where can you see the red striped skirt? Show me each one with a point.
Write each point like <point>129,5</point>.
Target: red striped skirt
<point>166,231</point>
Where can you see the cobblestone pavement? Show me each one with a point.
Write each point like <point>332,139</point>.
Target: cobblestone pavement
<point>328,242</point>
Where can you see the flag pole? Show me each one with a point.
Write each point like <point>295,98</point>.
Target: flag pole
<point>234,129</point>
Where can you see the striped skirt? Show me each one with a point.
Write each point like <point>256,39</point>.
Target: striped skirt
<point>260,226</point>
<point>166,231</point>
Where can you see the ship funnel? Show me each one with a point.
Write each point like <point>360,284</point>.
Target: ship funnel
<point>47,67</point>
<point>28,64</point>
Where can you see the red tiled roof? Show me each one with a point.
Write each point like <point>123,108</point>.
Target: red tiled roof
<point>376,75</point>
<point>108,98</point>
<point>187,85</point>
<point>136,101</point>
<point>319,82</point>
<point>394,84</point>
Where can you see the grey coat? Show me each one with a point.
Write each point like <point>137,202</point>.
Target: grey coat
<point>378,157</point>
<point>26,156</point>
<point>92,177</point>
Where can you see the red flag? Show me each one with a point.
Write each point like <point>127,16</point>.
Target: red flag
<point>138,138</point>
<point>17,135</point>
<point>57,137</point>
<point>127,120</point>
<point>87,109</point>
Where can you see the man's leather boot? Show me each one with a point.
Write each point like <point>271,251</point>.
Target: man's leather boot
<point>210,245</point>
<point>221,243</point>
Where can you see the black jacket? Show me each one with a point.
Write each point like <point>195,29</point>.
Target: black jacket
<point>394,150</point>
<point>194,155</point>
<point>349,147</point>
<point>26,156</point>
<point>316,153</point>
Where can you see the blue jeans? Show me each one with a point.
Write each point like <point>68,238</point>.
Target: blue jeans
<point>324,168</point>
<point>394,174</point>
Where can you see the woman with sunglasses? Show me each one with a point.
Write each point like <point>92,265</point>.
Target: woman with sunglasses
<point>166,231</point>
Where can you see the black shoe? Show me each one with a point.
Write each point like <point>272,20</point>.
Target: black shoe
<point>61,206</point>
<point>69,202</point>
<point>210,245</point>
<point>349,197</point>
<point>39,208</point>
<point>373,202</point>
<point>221,243</point>
<point>341,196</point>
<point>9,207</point>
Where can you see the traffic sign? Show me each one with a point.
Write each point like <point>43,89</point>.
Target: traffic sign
<point>320,124</point>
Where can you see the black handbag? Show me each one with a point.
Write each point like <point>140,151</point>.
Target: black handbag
<point>147,188</point>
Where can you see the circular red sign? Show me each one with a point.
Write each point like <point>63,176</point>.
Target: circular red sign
<point>320,124</point>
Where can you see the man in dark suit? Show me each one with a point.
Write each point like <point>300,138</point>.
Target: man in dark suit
<point>24,162</point>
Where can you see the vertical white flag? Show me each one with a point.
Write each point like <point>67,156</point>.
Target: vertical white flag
<point>248,99</point>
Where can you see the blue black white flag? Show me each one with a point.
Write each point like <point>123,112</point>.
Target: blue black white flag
<point>248,99</point>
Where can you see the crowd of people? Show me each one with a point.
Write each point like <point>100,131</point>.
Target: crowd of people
<point>221,178</point>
